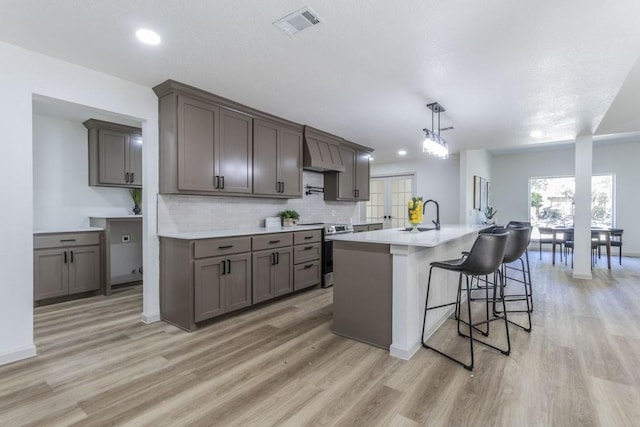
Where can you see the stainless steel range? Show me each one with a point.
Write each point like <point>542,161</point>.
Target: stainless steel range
<point>327,250</point>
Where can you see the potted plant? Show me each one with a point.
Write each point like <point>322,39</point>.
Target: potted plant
<point>489,213</point>
<point>289,218</point>
<point>136,196</point>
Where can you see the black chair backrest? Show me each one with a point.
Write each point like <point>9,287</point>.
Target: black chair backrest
<point>616,234</point>
<point>521,224</point>
<point>516,244</point>
<point>486,254</point>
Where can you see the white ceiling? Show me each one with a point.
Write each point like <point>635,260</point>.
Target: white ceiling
<point>501,68</point>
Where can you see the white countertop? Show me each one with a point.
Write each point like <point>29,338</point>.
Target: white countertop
<point>118,216</point>
<point>397,236</point>
<point>194,235</point>
<point>67,230</point>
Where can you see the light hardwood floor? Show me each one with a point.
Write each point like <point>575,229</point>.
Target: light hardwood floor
<point>281,365</point>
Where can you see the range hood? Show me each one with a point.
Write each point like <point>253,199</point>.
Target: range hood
<point>321,151</point>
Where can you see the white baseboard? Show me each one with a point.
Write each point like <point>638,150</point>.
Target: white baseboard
<point>19,354</point>
<point>150,318</point>
<point>403,354</point>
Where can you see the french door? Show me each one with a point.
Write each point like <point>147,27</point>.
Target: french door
<point>388,199</point>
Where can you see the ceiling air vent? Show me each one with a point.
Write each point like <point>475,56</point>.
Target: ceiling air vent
<point>298,21</point>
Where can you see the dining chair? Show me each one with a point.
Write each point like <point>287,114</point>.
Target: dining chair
<point>546,238</point>
<point>615,241</point>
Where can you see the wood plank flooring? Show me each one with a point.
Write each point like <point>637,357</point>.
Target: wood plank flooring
<point>280,365</point>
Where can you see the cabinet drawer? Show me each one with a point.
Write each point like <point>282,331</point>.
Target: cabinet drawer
<point>270,241</point>
<point>66,239</point>
<point>306,275</point>
<point>301,237</point>
<point>306,253</point>
<point>377,226</point>
<point>360,228</point>
<point>217,247</point>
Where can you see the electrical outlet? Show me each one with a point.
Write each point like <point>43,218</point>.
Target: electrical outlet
<point>333,213</point>
<point>125,238</point>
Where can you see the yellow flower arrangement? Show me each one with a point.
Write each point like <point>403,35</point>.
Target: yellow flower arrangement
<point>415,210</point>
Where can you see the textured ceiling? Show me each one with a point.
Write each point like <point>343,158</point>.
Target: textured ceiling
<point>501,68</point>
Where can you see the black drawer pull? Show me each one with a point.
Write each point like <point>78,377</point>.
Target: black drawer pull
<point>65,257</point>
<point>308,237</point>
<point>225,247</point>
<point>71,253</point>
<point>132,177</point>
<point>306,248</point>
<point>272,242</point>
<point>228,266</point>
<point>308,266</point>
<point>67,240</point>
<point>223,267</point>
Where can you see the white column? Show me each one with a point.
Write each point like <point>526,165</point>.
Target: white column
<point>582,220</point>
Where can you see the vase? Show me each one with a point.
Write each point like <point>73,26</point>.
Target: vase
<point>414,227</point>
<point>136,210</point>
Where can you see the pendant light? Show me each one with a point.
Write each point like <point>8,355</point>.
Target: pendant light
<point>433,144</point>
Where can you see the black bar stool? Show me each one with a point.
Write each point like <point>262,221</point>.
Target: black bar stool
<point>519,224</point>
<point>515,253</point>
<point>484,258</point>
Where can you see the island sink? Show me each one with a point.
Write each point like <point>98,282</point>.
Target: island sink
<point>419,229</point>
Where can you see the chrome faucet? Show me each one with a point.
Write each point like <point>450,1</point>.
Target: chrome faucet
<point>437,221</point>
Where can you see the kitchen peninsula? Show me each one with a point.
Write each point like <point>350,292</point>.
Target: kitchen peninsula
<point>380,284</point>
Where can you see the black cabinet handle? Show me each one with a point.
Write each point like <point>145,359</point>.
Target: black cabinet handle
<point>71,252</point>
<point>65,257</point>
<point>228,266</point>
<point>282,187</point>
<point>272,242</point>
<point>132,177</point>
<point>277,257</point>
<point>67,240</point>
<point>308,237</point>
<point>222,182</point>
<point>126,177</point>
<point>223,267</point>
<point>225,247</point>
<point>216,181</point>
<point>306,248</point>
<point>308,266</point>
<point>273,258</point>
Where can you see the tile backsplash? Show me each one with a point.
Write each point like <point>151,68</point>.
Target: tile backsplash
<point>177,213</point>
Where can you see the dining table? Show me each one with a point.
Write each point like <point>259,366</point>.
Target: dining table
<point>606,232</point>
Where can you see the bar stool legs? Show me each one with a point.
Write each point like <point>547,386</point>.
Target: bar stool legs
<point>498,283</point>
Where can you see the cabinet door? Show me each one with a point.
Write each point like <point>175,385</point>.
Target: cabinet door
<point>290,162</point>
<point>263,276</point>
<point>265,157</point>
<point>197,138</point>
<point>135,161</point>
<point>113,147</point>
<point>236,156</point>
<point>84,269</point>
<point>282,272</point>
<point>208,290</point>
<point>362,176</point>
<point>237,281</point>
<point>346,178</point>
<point>51,275</point>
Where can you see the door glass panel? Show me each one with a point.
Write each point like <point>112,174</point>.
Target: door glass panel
<point>389,197</point>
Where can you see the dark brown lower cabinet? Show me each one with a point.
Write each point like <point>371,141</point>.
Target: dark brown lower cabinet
<point>221,285</point>
<point>272,274</point>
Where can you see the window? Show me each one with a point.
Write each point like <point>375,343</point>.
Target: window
<point>552,201</point>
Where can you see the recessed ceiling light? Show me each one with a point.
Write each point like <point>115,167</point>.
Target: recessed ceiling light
<point>536,134</point>
<point>402,152</point>
<point>148,36</point>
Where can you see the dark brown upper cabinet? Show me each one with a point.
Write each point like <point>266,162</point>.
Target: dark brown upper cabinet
<point>115,154</point>
<point>353,183</point>
<point>277,160</point>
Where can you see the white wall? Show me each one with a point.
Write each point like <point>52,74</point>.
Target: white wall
<point>473,163</point>
<point>436,179</point>
<point>62,196</point>
<point>511,173</point>
<point>177,213</point>
<point>22,74</point>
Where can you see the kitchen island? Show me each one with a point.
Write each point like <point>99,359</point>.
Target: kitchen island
<point>380,284</point>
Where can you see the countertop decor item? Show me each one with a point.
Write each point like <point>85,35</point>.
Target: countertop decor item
<point>489,213</point>
<point>415,213</point>
<point>136,196</point>
<point>289,218</point>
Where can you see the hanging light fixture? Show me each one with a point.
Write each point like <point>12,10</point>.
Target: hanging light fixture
<point>433,143</point>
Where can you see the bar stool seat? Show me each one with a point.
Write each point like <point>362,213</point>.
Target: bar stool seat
<point>484,258</point>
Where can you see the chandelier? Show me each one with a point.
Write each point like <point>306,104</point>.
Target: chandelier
<point>433,143</point>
